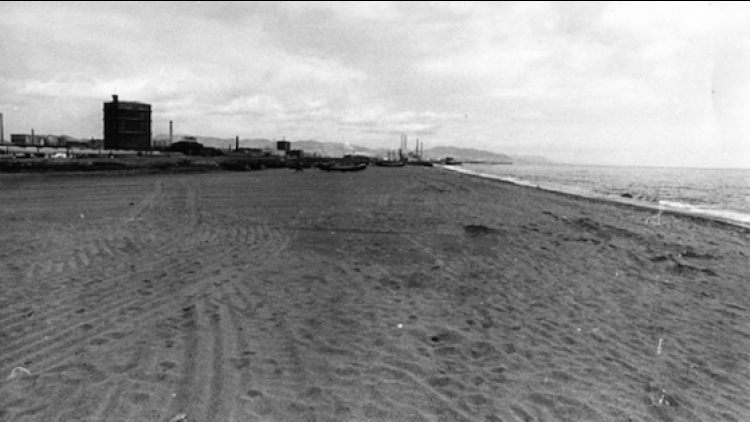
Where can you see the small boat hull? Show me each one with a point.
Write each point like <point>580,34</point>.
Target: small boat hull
<point>390,163</point>
<point>342,167</point>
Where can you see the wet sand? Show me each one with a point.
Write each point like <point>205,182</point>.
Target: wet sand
<point>393,294</point>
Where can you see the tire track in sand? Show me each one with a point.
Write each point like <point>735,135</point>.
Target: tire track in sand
<point>215,338</point>
<point>64,259</point>
<point>76,265</point>
<point>111,403</point>
<point>110,245</point>
<point>107,301</point>
<point>107,293</point>
<point>280,382</point>
<point>114,399</point>
<point>115,298</point>
<point>253,243</point>
<point>215,400</point>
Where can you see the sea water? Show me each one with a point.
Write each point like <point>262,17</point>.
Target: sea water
<point>722,193</point>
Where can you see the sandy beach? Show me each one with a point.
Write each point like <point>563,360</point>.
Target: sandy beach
<point>392,294</point>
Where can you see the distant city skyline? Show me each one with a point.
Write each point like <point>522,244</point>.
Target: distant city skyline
<point>653,84</point>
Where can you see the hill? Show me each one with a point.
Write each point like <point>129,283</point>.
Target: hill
<point>466,154</point>
<point>332,149</point>
<point>337,149</point>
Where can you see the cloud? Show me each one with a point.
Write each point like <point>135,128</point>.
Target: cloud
<point>380,120</point>
<point>250,105</point>
<point>661,19</point>
<point>357,11</point>
<point>496,75</point>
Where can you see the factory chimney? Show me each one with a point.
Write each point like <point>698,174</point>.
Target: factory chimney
<point>170,132</point>
<point>2,129</point>
<point>237,143</point>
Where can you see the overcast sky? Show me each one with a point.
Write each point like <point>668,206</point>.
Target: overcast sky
<point>592,83</point>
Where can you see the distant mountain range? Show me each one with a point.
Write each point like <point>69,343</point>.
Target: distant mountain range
<point>335,149</point>
<point>466,154</point>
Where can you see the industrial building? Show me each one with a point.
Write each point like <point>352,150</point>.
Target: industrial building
<point>26,140</point>
<point>127,125</point>
<point>283,146</point>
<point>23,139</point>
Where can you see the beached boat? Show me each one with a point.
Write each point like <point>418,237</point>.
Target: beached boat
<point>342,166</point>
<point>450,161</point>
<point>421,163</point>
<point>390,163</point>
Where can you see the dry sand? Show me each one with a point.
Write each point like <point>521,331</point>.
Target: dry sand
<point>406,294</point>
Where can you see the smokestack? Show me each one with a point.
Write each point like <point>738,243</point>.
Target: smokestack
<point>2,129</point>
<point>32,137</point>
<point>237,143</point>
<point>170,132</point>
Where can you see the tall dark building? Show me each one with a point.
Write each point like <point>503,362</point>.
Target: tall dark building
<point>283,146</point>
<point>127,125</point>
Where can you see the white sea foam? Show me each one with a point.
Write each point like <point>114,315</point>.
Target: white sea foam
<point>710,194</point>
<point>697,210</point>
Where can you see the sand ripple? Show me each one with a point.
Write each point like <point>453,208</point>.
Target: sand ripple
<point>389,295</point>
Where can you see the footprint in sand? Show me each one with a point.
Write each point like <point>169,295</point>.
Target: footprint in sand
<point>76,373</point>
<point>138,398</point>
<point>99,341</point>
<point>255,402</point>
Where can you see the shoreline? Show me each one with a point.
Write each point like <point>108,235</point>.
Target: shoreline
<point>581,194</point>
